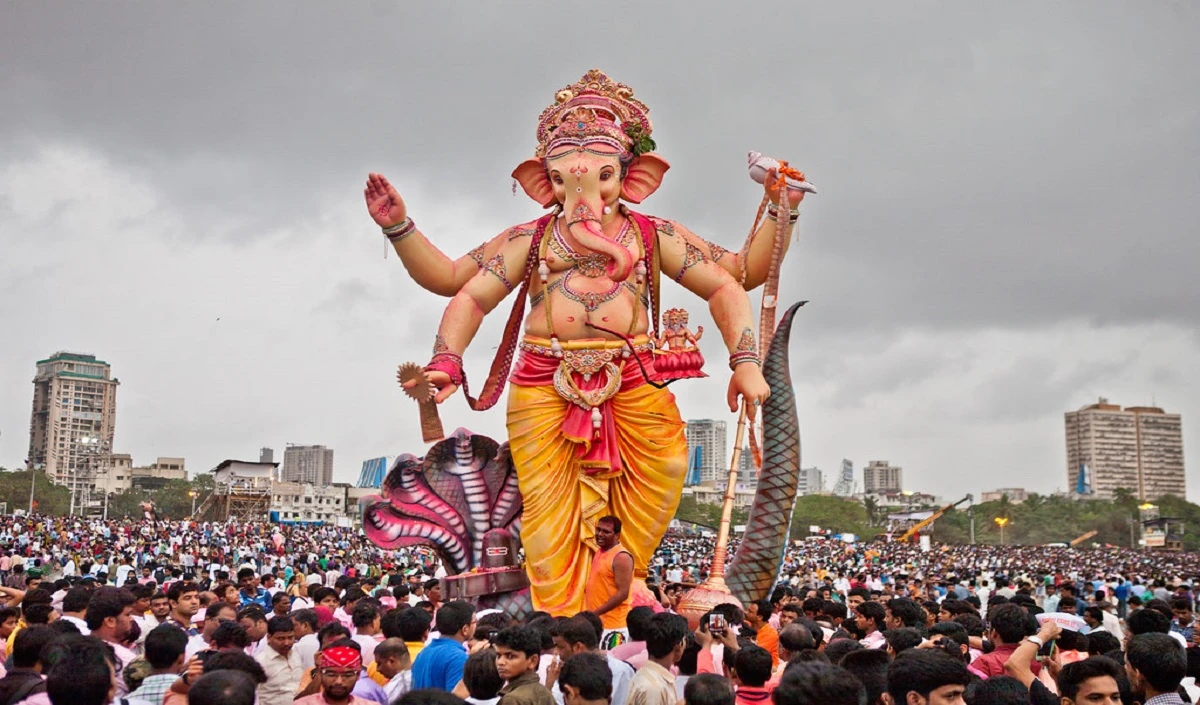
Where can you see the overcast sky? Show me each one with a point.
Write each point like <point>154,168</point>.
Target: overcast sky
<point>1006,225</point>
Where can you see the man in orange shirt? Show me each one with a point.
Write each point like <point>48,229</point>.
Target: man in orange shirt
<point>758,616</point>
<point>608,592</point>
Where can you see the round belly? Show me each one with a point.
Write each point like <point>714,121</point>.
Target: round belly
<point>572,312</point>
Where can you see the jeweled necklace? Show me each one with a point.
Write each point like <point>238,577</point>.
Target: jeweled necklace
<point>591,300</point>
<point>590,265</point>
<point>544,275</point>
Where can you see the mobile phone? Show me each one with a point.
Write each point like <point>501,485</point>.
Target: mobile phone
<point>716,623</point>
<point>1046,651</point>
<point>491,636</point>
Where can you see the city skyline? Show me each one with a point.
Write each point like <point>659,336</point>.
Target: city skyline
<point>1001,235</point>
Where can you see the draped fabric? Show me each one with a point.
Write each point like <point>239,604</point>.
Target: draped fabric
<point>564,489</point>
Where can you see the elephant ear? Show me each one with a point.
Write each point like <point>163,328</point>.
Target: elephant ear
<point>531,174</point>
<point>644,177</point>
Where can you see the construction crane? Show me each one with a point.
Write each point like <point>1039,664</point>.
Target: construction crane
<point>1083,538</point>
<point>912,531</point>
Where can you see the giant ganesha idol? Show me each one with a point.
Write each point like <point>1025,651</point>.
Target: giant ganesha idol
<point>590,433</point>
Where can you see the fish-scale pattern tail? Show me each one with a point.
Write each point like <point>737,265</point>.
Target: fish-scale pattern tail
<point>755,567</point>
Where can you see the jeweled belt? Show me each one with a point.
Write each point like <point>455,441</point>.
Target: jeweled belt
<point>587,359</point>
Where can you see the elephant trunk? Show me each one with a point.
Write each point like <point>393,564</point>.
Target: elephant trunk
<point>584,223</point>
<point>755,566</point>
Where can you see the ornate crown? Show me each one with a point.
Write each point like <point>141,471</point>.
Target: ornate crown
<point>675,315</point>
<point>595,109</point>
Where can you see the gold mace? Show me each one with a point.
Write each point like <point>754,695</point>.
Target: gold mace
<point>713,591</point>
<point>423,392</point>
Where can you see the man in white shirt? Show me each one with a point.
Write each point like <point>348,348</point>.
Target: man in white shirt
<point>74,608</point>
<point>578,635</point>
<point>280,662</point>
<point>392,661</point>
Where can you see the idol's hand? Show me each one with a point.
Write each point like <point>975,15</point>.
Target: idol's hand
<point>440,381</point>
<point>384,202</point>
<point>770,185</point>
<point>748,384</point>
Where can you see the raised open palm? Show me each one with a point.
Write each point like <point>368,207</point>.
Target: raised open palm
<point>383,201</point>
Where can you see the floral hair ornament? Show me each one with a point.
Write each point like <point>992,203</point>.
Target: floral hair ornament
<point>341,657</point>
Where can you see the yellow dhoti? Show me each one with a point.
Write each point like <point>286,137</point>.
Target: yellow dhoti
<point>564,494</point>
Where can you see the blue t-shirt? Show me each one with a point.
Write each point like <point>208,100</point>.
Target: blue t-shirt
<point>439,665</point>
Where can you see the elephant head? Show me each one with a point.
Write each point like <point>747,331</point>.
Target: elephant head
<point>593,151</point>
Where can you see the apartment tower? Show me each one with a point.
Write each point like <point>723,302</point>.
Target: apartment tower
<point>312,464</point>
<point>709,436</point>
<point>1137,447</point>
<point>880,477</point>
<point>73,418</point>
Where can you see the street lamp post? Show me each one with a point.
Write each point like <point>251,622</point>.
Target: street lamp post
<point>193,494</point>
<point>1001,522</point>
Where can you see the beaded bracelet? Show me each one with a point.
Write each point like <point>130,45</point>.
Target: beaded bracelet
<point>747,356</point>
<point>400,230</point>
<point>449,363</point>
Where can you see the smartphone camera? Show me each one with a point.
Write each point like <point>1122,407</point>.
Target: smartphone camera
<point>491,636</point>
<point>716,624</point>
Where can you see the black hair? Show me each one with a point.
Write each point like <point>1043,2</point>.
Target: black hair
<point>28,645</point>
<point>590,674</point>
<point>229,634</point>
<point>862,592</point>
<point>997,690</point>
<point>428,696</point>
<point>164,645</point>
<point>708,689</point>
<point>365,613</point>
<point>1010,622</point>
<point>1074,674</point>
<point>82,673</point>
<point>1181,603</point>
<point>578,630</point>
<point>817,682</point>
<point>907,611</point>
<point>903,639</point>
<point>245,573</point>
<point>236,661</point>
<point>254,613</point>
<point>812,604</point>
<point>637,622</point>
<point>874,612</point>
<point>834,610</point>
<point>753,666</point>
<point>594,620</point>
<point>38,614</point>
<point>869,666</point>
<point>332,629</point>
<point>480,676</point>
<point>1100,643</point>
<point>1159,659</point>
<point>951,630</point>
<point>664,632</point>
<point>76,599</point>
<point>1094,612</point>
<point>276,625</point>
<point>414,624</point>
<point>453,616</point>
<point>214,610</point>
<point>106,602</point>
<point>224,687</point>
<point>523,638</point>
<point>303,616</point>
<point>765,610</point>
<point>837,650</point>
<point>1148,621</point>
<point>795,638</point>
<point>923,672</point>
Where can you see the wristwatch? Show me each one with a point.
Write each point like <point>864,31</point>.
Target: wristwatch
<point>1035,639</point>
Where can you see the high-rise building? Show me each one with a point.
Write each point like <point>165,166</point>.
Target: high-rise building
<point>313,464</point>
<point>810,481</point>
<point>746,470</point>
<point>880,477</point>
<point>266,455</point>
<point>1139,448</point>
<point>709,436</point>
<point>845,483</point>
<point>73,419</point>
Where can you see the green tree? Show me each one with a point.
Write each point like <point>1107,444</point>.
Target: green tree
<point>836,514</point>
<point>49,498</point>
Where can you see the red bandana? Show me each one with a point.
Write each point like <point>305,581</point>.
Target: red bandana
<point>341,657</point>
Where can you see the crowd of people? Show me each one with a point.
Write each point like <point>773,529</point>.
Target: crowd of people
<point>139,612</point>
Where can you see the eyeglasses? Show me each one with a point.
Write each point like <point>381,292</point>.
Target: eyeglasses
<point>339,675</point>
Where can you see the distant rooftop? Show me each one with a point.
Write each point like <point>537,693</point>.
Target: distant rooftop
<point>63,356</point>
